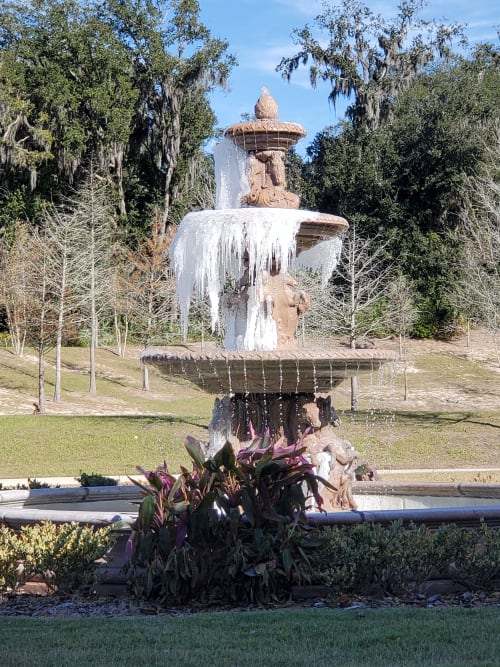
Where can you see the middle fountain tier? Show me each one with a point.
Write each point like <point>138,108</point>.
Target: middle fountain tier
<point>241,256</point>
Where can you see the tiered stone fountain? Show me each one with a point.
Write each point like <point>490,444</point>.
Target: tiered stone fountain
<point>262,376</point>
<point>241,255</point>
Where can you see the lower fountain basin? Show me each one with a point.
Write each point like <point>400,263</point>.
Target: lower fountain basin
<point>423,495</point>
<point>275,371</point>
<point>463,504</point>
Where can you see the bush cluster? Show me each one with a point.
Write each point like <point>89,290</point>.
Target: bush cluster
<point>396,560</point>
<point>233,529</point>
<point>65,556</point>
<point>95,479</point>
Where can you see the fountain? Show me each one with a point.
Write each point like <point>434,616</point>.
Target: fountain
<point>241,256</point>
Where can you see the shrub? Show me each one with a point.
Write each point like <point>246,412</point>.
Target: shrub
<point>93,479</point>
<point>481,568</point>
<point>8,559</point>
<point>394,559</point>
<point>32,484</point>
<point>359,558</point>
<point>229,529</point>
<point>63,556</point>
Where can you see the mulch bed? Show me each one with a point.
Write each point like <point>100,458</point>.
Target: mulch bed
<point>56,605</point>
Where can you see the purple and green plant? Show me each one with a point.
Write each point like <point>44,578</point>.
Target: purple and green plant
<point>228,529</point>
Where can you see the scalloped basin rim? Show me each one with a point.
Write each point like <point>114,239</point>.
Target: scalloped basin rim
<point>273,371</point>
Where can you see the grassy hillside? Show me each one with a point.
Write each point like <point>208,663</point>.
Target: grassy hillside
<point>450,420</point>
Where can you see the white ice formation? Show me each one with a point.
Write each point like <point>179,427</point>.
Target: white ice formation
<point>238,244</point>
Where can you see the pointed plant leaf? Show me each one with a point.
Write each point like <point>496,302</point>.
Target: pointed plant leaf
<point>246,502</point>
<point>175,489</point>
<point>287,560</point>
<point>194,450</point>
<point>226,457</point>
<point>146,513</point>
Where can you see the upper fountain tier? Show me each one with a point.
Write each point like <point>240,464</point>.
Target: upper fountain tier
<point>260,180</point>
<point>253,238</point>
<point>266,132</point>
<point>265,142</point>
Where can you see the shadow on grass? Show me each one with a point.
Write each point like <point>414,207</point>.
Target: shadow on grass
<point>426,418</point>
<point>150,420</point>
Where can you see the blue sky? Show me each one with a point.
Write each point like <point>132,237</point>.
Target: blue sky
<point>259,35</point>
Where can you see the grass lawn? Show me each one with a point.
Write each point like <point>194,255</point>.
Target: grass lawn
<point>53,445</point>
<point>48,445</point>
<point>281,638</point>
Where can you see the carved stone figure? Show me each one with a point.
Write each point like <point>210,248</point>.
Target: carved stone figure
<point>288,303</point>
<point>267,181</point>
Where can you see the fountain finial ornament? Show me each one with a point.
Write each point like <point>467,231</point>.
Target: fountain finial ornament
<point>266,107</point>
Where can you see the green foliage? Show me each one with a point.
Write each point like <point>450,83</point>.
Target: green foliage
<point>32,484</point>
<point>9,559</point>
<point>482,568</point>
<point>63,556</point>
<point>94,479</point>
<point>227,530</point>
<point>406,180</point>
<point>124,84</point>
<point>368,58</point>
<point>394,559</point>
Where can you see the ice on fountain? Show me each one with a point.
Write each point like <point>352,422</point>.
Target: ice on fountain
<point>321,258</point>
<point>231,242</point>
<point>230,174</point>
<point>212,246</point>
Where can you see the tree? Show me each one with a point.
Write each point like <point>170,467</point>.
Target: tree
<point>407,180</point>
<point>64,238</point>
<point>401,316</point>
<point>73,76</point>
<point>92,210</point>
<point>368,58</point>
<point>359,291</point>
<point>176,63</point>
<point>121,294</point>
<point>122,83</point>
<point>153,285</point>
<point>42,308</point>
<point>477,292</point>
<point>14,280</point>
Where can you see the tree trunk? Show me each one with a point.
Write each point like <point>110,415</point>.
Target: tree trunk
<point>57,382</point>
<point>118,334</point>
<point>93,314</point>
<point>41,377</point>
<point>354,393</point>
<point>354,386</point>
<point>59,331</point>
<point>92,347</point>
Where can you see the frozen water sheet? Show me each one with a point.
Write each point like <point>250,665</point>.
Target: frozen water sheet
<point>213,246</point>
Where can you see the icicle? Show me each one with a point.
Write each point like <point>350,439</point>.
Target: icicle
<point>322,258</point>
<point>230,174</point>
<point>211,246</point>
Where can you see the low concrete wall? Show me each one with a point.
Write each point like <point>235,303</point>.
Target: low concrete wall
<point>100,505</point>
<point>430,503</point>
